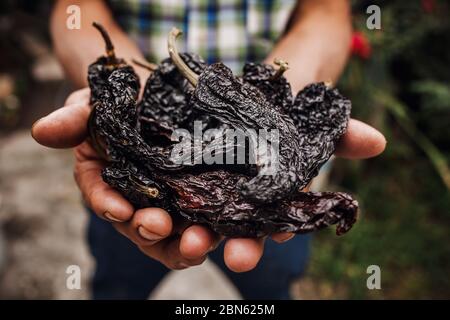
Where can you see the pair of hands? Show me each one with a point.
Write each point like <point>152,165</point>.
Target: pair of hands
<point>177,245</point>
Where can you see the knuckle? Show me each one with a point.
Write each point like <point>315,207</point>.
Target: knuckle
<point>159,224</point>
<point>95,192</point>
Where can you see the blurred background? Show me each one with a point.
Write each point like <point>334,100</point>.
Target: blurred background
<point>399,81</point>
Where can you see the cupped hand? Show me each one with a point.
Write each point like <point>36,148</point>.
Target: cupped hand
<point>175,244</point>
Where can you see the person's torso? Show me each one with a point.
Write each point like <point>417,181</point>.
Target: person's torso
<point>231,31</point>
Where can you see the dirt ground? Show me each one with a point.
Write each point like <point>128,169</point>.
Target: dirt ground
<point>43,224</point>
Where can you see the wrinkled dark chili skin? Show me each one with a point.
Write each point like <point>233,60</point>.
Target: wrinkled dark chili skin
<point>114,122</point>
<point>320,114</point>
<point>233,201</point>
<point>139,187</point>
<point>167,94</point>
<point>277,91</point>
<point>211,198</point>
<point>244,107</point>
<point>309,128</point>
<point>98,74</point>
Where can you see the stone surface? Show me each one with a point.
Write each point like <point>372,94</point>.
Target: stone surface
<point>42,221</point>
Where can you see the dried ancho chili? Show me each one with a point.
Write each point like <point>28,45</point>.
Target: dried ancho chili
<point>236,200</point>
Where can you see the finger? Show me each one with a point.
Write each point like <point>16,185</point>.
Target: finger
<point>168,253</point>
<point>196,241</point>
<point>63,128</point>
<point>150,229</point>
<point>360,141</point>
<point>152,224</point>
<point>131,232</point>
<point>79,96</point>
<point>243,255</point>
<point>282,236</point>
<point>174,259</point>
<point>147,226</point>
<point>106,202</point>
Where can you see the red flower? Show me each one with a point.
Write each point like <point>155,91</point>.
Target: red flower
<point>428,5</point>
<point>360,46</point>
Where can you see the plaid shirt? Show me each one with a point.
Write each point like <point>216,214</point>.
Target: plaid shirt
<point>231,31</point>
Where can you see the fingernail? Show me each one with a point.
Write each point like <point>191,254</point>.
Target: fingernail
<point>147,234</point>
<point>287,238</point>
<point>110,217</point>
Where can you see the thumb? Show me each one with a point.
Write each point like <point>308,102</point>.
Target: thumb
<point>361,141</point>
<point>63,128</point>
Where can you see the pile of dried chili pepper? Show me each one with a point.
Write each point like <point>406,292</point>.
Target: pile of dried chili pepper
<point>238,199</point>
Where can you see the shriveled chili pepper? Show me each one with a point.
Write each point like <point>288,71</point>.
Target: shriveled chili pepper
<point>137,144</point>
<point>112,124</point>
<point>270,82</point>
<point>100,70</point>
<point>246,107</point>
<point>211,198</point>
<point>243,106</point>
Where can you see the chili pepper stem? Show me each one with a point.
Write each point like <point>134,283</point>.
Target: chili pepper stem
<point>191,76</point>
<point>283,66</point>
<point>111,56</point>
<point>149,191</point>
<point>152,192</point>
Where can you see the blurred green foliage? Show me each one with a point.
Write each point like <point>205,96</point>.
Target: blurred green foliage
<point>403,89</point>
